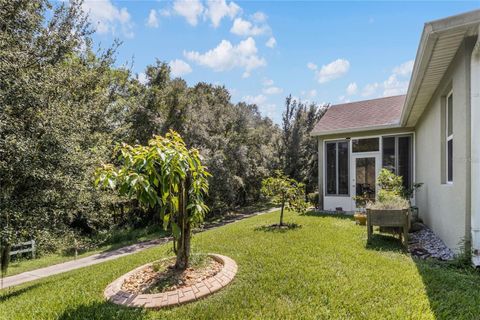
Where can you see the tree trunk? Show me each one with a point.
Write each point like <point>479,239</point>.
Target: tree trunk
<point>4,257</point>
<point>183,242</point>
<point>281,213</point>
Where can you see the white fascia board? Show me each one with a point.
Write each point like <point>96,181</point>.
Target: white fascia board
<point>352,130</point>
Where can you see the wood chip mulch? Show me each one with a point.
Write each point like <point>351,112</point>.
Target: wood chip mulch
<point>162,277</point>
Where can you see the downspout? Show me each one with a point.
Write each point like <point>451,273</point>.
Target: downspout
<point>475,150</point>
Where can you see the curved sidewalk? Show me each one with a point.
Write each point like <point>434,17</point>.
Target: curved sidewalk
<point>108,255</point>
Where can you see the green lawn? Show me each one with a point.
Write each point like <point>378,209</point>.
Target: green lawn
<point>319,271</point>
<point>119,238</point>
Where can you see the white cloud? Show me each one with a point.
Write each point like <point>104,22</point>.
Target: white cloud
<point>352,88</point>
<point>142,78</point>
<point>312,66</point>
<point>269,88</point>
<point>271,42</point>
<point>309,94</point>
<point>259,17</point>
<point>312,93</point>
<point>265,108</point>
<point>165,12</point>
<point>395,84</point>
<point>227,56</point>
<point>189,9</point>
<point>106,17</point>
<point>331,71</point>
<point>272,90</point>
<point>218,9</point>
<point>243,27</point>
<point>343,99</point>
<point>370,89</point>
<point>258,99</point>
<point>179,68</point>
<point>405,69</point>
<point>152,20</point>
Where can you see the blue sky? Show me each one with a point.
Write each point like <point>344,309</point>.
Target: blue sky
<point>325,52</point>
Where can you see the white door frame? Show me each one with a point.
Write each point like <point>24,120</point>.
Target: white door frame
<point>353,170</point>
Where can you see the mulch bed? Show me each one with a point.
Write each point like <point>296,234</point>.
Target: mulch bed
<point>162,277</point>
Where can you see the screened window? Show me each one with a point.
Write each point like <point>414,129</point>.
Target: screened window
<point>336,168</point>
<point>397,157</point>
<point>365,145</point>
<point>449,137</point>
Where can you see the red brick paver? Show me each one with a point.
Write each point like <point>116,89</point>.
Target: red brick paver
<point>114,293</point>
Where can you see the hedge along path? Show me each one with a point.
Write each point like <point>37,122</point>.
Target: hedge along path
<point>109,255</point>
<point>203,288</point>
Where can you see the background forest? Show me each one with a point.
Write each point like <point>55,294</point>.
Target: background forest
<point>64,106</point>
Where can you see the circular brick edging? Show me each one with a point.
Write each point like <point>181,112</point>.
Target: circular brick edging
<point>115,294</point>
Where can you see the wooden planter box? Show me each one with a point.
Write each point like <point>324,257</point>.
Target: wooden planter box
<point>389,218</point>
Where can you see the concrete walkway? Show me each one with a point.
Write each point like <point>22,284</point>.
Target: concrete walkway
<point>110,255</point>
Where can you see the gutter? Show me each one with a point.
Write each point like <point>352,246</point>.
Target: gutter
<point>353,130</point>
<point>475,151</point>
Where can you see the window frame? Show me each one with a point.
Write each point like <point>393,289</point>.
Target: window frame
<point>337,176</point>
<point>411,160</point>
<point>367,138</point>
<point>448,138</point>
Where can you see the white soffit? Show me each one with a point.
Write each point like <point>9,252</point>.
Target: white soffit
<point>439,44</point>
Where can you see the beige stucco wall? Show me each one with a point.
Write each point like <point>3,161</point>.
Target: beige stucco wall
<point>445,207</point>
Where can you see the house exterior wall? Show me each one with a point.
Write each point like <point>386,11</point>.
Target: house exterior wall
<point>446,207</point>
<point>329,203</point>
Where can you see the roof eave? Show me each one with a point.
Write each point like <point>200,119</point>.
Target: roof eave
<point>430,34</point>
<point>354,130</point>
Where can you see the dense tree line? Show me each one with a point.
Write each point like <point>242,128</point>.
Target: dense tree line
<point>64,106</point>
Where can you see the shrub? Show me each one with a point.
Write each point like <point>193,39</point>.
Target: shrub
<point>391,186</point>
<point>314,198</point>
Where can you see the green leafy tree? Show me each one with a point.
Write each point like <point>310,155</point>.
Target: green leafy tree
<point>286,192</point>
<point>299,154</point>
<point>60,109</point>
<point>167,176</point>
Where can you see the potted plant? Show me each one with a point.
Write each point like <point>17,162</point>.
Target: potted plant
<point>360,214</point>
<point>391,211</point>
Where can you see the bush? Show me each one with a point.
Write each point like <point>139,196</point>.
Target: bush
<point>314,198</point>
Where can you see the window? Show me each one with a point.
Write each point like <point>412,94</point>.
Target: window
<point>449,137</point>
<point>397,157</point>
<point>336,168</point>
<point>365,145</point>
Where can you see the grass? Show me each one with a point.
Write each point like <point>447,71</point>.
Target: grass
<point>118,239</point>
<point>322,270</point>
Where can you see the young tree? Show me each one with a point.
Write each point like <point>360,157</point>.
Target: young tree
<point>166,176</point>
<point>286,192</point>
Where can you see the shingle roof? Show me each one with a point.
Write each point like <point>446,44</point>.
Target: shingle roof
<point>361,115</point>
